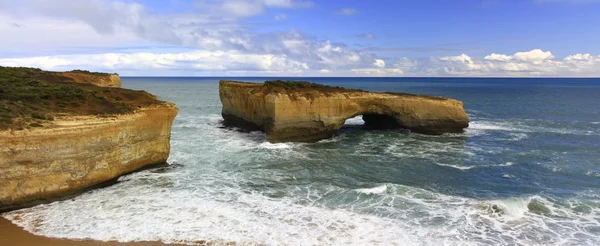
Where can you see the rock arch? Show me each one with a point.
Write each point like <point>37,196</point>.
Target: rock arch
<point>301,112</point>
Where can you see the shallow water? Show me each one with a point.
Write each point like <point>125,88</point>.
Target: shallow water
<point>526,171</point>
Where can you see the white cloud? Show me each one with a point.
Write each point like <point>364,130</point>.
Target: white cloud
<point>336,61</point>
<point>109,35</point>
<point>347,11</point>
<point>58,35</point>
<point>535,56</point>
<point>219,61</point>
<point>242,8</point>
<point>535,62</point>
<point>379,63</point>
<point>336,56</point>
<point>497,57</point>
<point>579,57</point>
<point>378,71</point>
<point>461,58</point>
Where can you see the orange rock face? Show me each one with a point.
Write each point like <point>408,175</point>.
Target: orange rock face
<point>75,153</point>
<point>308,114</point>
<point>103,80</point>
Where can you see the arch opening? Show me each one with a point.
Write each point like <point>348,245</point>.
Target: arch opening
<point>372,121</point>
<point>380,122</point>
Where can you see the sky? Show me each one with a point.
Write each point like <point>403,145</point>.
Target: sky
<point>394,38</point>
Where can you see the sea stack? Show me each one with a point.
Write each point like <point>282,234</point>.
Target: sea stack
<point>62,134</point>
<point>306,112</point>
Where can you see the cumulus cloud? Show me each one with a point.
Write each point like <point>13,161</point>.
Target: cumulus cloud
<point>461,58</point>
<point>332,60</point>
<point>379,63</point>
<point>535,62</point>
<point>347,11</point>
<point>208,61</point>
<point>122,23</point>
<point>497,57</point>
<point>535,56</point>
<point>109,35</point>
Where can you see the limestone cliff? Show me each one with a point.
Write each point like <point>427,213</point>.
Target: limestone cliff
<point>97,79</point>
<point>303,112</point>
<point>74,153</point>
<point>61,134</point>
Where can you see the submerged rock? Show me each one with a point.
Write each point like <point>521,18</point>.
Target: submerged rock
<point>307,112</point>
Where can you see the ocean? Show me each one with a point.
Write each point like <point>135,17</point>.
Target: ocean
<point>525,172</point>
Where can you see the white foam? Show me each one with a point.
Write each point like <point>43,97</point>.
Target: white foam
<point>506,164</point>
<point>375,190</point>
<point>518,129</point>
<point>511,208</point>
<point>268,145</point>
<point>455,166</point>
<point>517,136</point>
<point>592,174</point>
<point>406,216</point>
<point>213,196</point>
<point>491,125</point>
<point>508,176</point>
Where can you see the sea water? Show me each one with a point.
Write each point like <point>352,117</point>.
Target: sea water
<point>526,171</point>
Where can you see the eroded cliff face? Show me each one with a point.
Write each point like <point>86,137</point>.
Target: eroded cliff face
<point>75,153</point>
<point>102,80</point>
<point>308,115</point>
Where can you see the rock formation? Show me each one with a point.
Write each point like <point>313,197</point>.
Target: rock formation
<point>97,79</point>
<point>78,148</point>
<point>306,112</point>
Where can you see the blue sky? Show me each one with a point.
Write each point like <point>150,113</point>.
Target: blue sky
<point>305,38</point>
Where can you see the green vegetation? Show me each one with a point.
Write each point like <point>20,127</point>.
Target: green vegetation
<point>307,89</point>
<point>30,97</point>
<point>88,72</point>
<point>290,85</point>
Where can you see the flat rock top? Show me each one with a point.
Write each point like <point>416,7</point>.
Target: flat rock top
<point>304,88</point>
<point>31,98</point>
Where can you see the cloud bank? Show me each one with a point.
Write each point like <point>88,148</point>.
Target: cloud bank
<point>128,38</point>
<point>521,64</point>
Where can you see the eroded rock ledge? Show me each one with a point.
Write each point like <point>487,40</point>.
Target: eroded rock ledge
<point>306,112</point>
<point>78,152</point>
<point>70,136</point>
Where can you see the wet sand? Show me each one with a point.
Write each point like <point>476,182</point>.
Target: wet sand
<point>11,234</point>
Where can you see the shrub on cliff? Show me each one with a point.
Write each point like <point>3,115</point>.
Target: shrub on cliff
<point>30,93</point>
<point>305,89</point>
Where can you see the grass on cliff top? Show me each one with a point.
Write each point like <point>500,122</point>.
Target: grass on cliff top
<point>307,89</point>
<point>301,87</point>
<point>30,97</point>
<point>88,72</point>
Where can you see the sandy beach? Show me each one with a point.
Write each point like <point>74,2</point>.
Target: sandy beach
<point>11,234</point>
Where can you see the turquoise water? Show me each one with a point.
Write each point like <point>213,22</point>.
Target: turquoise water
<point>526,171</point>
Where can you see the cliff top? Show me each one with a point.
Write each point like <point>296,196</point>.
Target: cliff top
<point>29,97</point>
<point>308,89</point>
